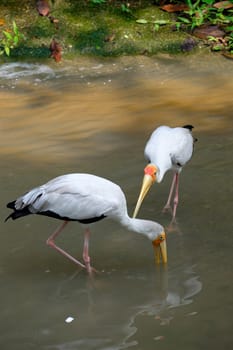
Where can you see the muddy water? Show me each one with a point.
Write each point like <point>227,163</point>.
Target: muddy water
<point>95,116</point>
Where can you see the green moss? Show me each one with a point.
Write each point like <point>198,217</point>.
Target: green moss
<point>85,29</point>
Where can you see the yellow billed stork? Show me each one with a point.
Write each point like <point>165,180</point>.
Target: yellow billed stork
<point>167,149</point>
<point>85,198</point>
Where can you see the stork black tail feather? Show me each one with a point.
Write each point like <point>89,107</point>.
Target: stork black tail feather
<point>189,127</point>
<point>11,205</point>
<point>16,213</point>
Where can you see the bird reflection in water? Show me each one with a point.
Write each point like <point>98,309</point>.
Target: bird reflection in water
<point>112,307</point>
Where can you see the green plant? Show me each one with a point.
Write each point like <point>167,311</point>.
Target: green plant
<point>215,43</point>
<point>126,10</point>
<point>195,15</point>
<point>157,23</point>
<point>204,11</point>
<point>230,43</point>
<point>98,2</point>
<point>10,39</point>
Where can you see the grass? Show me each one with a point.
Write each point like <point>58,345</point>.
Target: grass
<point>88,29</point>
<point>110,27</point>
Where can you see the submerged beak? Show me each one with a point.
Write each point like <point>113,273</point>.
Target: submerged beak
<point>160,248</point>
<point>147,182</point>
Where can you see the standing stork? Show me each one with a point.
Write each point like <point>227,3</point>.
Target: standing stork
<point>85,198</point>
<point>167,149</point>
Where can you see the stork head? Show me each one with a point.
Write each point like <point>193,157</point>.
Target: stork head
<point>160,248</point>
<point>150,173</point>
<point>156,234</point>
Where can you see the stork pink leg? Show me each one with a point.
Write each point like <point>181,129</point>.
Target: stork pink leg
<point>168,204</point>
<point>86,256</point>
<point>176,198</point>
<point>51,243</point>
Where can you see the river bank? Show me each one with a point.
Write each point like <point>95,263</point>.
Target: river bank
<point>85,29</point>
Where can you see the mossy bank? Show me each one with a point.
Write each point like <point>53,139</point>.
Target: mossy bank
<point>83,28</point>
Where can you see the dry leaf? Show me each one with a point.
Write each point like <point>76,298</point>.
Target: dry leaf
<point>175,7</point>
<point>43,7</point>
<point>203,32</point>
<point>223,5</point>
<point>55,49</point>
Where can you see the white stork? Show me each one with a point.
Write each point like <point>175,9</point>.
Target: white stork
<point>167,149</point>
<point>85,198</point>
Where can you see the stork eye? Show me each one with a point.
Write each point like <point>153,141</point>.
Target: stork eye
<point>161,238</point>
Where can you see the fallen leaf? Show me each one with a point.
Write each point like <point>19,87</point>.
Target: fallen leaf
<point>203,32</point>
<point>142,21</point>
<point>43,7</point>
<point>222,41</point>
<point>2,22</point>
<point>223,5</point>
<point>175,7</point>
<point>55,49</point>
<point>161,22</point>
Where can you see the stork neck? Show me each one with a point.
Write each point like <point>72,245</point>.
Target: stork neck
<point>140,226</point>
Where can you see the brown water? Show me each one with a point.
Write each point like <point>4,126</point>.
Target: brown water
<point>95,117</point>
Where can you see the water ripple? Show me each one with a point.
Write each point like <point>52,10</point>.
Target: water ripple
<point>18,70</point>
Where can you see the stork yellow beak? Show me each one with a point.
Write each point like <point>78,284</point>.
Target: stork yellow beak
<point>160,248</point>
<point>147,182</point>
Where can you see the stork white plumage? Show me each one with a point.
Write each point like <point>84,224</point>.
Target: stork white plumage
<point>167,149</point>
<point>85,198</point>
